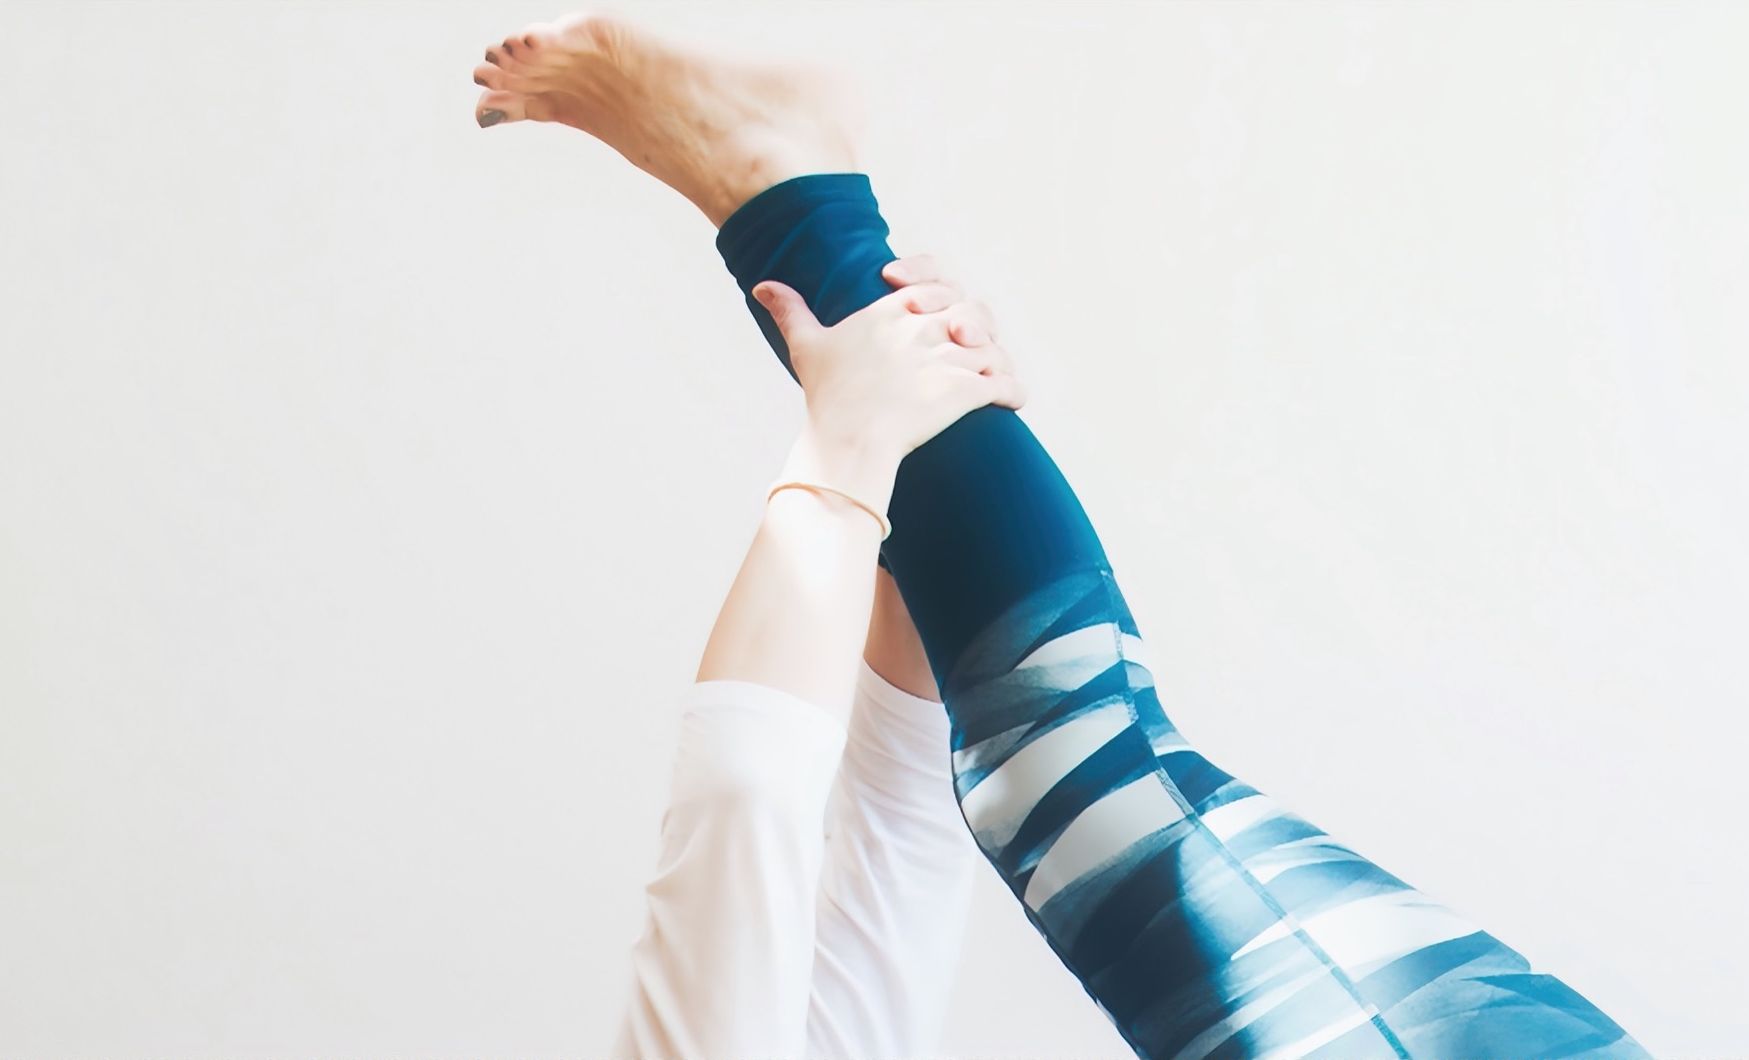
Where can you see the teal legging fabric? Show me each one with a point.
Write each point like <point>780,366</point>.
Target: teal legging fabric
<point>1201,916</point>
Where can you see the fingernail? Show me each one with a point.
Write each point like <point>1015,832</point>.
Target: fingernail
<point>490,117</point>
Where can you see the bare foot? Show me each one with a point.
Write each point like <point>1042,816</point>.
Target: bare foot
<point>716,130</point>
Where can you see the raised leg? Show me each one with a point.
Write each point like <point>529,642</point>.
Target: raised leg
<point>1203,918</point>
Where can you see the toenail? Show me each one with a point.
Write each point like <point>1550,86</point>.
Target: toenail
<point>490,117</point>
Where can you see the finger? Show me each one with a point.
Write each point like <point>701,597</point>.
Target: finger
<point>979,359</point>
<point>999,389</point>
<point>917,268</point>
<point>787,308</point>
<point>990,359</point>
<point>923,298</point>
<point>957,323</point>
<point>967,333</point>
<point>971,324</point>
<point>1007,391</point>
<point>981,315</point>
<point>1000,361</point>
<point>934,330</point>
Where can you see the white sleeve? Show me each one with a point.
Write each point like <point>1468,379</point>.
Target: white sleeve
<point>895,890</point>
<point>723,967</point>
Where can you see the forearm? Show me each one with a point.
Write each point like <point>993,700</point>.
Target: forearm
<point>796,616</point>
<point>724,965</point>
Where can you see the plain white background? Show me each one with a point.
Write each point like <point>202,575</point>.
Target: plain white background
<point>368,483</point>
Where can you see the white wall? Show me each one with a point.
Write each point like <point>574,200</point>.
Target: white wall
<point>368,483</point>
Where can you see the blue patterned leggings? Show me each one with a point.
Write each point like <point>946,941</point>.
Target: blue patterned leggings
<point>1204,919</point>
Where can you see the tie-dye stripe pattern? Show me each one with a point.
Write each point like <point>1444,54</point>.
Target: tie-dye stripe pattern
<point>1203,918</point>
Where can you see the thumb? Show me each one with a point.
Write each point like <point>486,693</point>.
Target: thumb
<point>787,308</point>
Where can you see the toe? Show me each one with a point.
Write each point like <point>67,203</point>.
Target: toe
<point>495,56</point>
<point>487,75</point>
<point>536,37</point>
<point>495,108</point>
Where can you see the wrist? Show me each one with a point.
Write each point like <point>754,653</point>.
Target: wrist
<point>863,468</point>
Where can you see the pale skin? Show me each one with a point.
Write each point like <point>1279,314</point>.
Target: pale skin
<point>806,598</point>
<point>878,384</point>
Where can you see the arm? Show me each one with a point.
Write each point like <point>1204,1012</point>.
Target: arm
<point>878,385</point>
<point>798,609</point>
<point>724,965</point>
<point>895,887</point>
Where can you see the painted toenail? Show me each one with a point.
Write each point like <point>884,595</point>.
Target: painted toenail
<point>490,117</point>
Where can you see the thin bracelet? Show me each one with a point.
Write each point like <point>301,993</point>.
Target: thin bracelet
<point>816,487</point>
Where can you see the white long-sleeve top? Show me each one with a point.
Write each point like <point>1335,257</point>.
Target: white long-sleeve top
<point>789,917</point>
